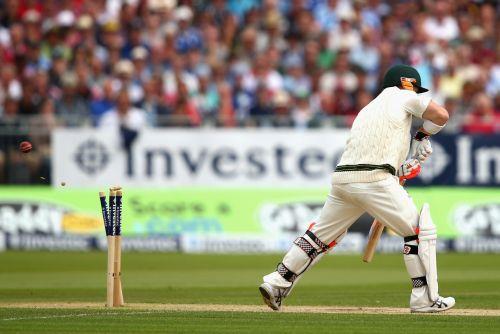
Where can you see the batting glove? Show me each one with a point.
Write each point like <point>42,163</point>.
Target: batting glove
<point>409,169</point>
<point>421,147</point>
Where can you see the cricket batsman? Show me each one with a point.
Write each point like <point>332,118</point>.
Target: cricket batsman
<point>367,180</point>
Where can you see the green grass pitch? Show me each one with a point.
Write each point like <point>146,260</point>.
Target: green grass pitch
<point>53,277</point>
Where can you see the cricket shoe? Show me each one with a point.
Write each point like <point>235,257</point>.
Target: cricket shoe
<point>272,296</point>
<point>440,305</point>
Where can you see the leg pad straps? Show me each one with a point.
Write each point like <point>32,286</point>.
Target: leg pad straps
<point>311,251</point>
<point>324,247</point>
<point>306,247</point>
<point>418,282</point>
<point>410,249</point>
<point>411,238</point>
<point>286,273</point>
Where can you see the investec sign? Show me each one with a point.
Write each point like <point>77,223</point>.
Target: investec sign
<point>215,157</point>
<point>249,157</point>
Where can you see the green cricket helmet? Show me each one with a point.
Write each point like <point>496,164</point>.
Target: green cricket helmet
<point>403,75</point>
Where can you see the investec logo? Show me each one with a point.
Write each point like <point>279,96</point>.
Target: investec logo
<point>91,156</point>
<point>222,162</point>
<point>232,162</point>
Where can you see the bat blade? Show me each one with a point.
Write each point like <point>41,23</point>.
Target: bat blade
<point>373,237</point>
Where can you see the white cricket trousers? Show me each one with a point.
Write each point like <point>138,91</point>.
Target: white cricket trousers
<point>385,200</point>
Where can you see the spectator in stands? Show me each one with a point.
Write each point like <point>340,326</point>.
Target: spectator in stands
<point>264,74</point>
<point>59,65</point>
<point>207,100</point>
<point>451,82</point>
<point>326,56</point>
<point>134,38</point>
<point>124,73</point>
<point>261,110</point>
<point>311,58</point>
<point>242,99</point>
<point>10,86</point>
<point>483,118</point>
<point>185,112</point>
<point>326,14</point>
<point>240,7</point>
<point>456,120</point>
<point>71,107</point>
<point>199,61</point>
<point>124,114</point>
<point>142,72</point>
<point>340,76</point>
<point>296,82</point>
<point>246,48</point>
<point>177,73</point>
<point>32,60</point>
<point>302,113</point>
<point>366,54</point>
<point>226,116</point>
<point>281,109</point>
<point>102,102</point>
<point>28,104</point>
<point>153,103</point>
<point>345,36</point>
<point>188,36</point>
<point>10,116</point>
<point>43,89</point>
<point>440,24</point>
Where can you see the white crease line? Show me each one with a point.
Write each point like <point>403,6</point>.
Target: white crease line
<point>79,315</point>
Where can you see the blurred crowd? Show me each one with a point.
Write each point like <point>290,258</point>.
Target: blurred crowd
<point>296,63</point>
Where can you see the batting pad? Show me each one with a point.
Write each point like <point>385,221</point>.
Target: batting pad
<point>427,250</point>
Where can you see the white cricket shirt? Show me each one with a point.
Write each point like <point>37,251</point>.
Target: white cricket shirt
<point>381,135</point>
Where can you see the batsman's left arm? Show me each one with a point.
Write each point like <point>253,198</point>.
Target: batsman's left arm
<point>435,118</point>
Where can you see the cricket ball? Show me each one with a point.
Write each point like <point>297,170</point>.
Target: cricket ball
<point>25,146</point>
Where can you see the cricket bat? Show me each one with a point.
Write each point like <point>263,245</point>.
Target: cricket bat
<point>373,237</point>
